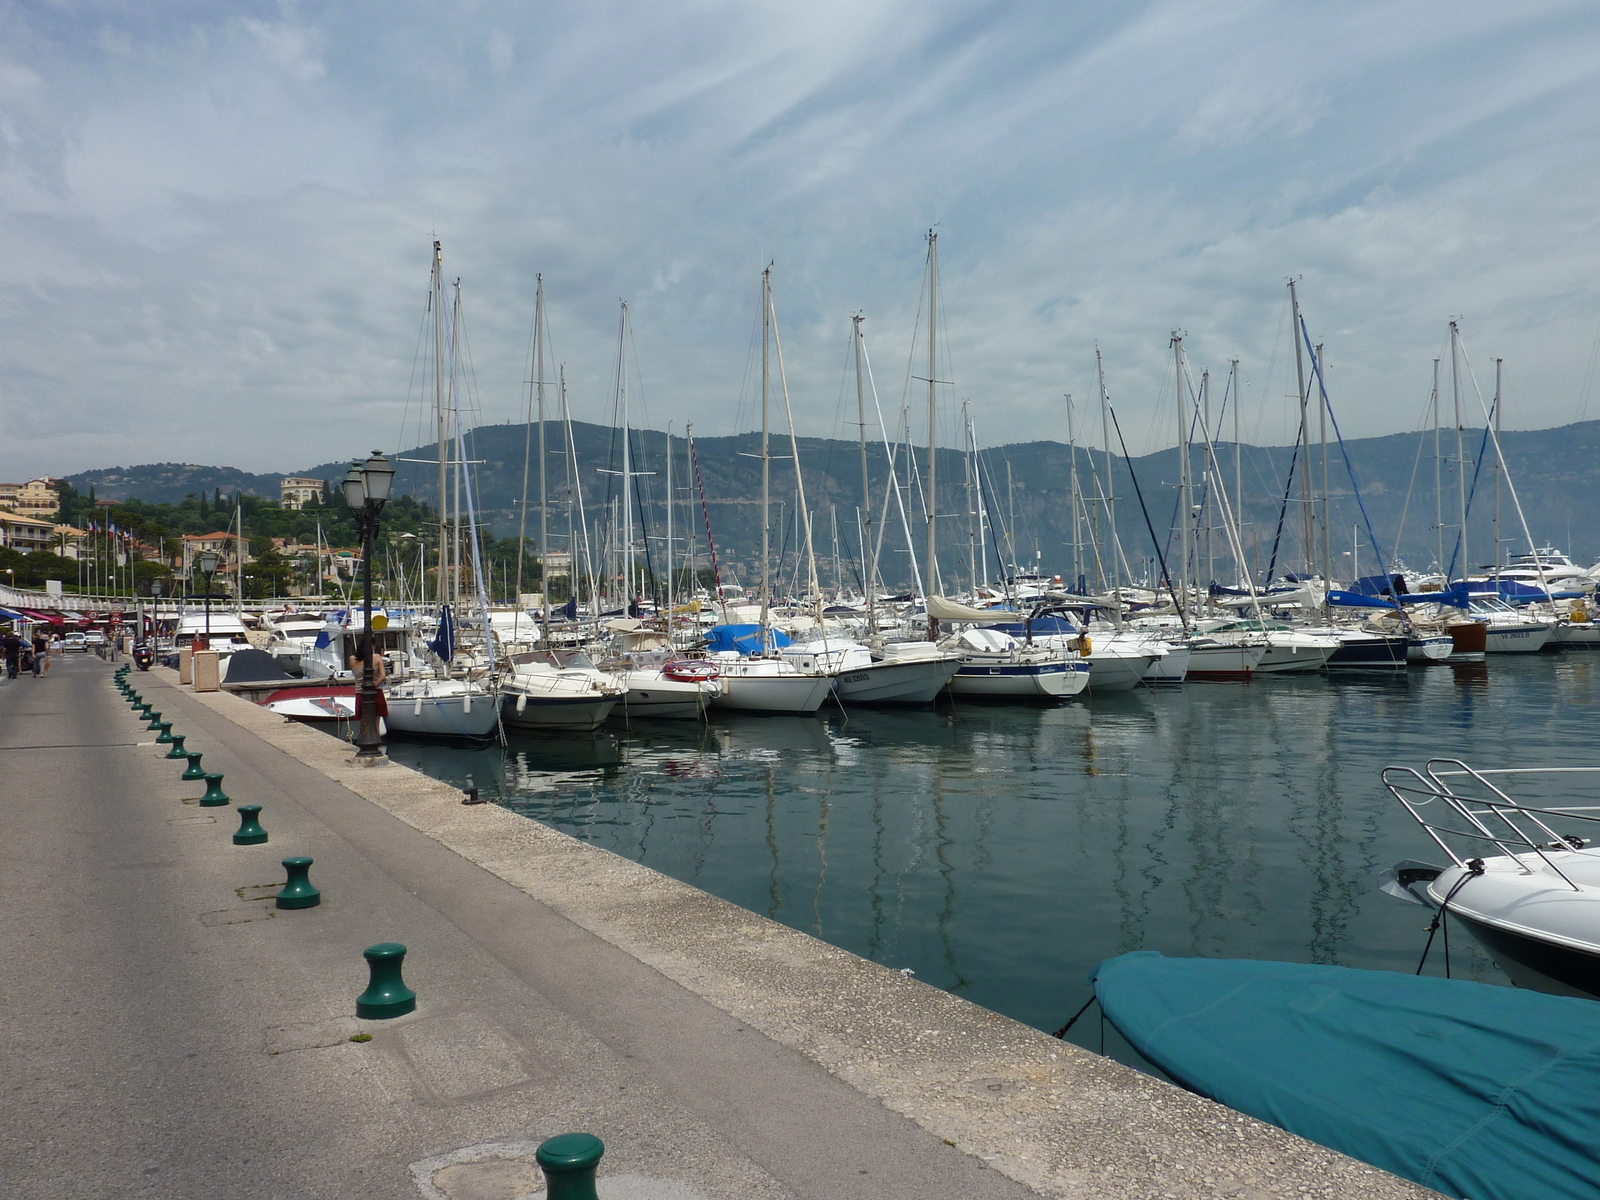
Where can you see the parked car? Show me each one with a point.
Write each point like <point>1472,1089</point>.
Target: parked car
<point>75,641</point>
<point>93,640</point>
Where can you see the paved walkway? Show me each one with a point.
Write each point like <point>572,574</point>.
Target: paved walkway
<point>167,1031</point>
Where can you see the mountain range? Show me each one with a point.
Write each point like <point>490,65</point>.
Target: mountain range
<point>1026,486</point>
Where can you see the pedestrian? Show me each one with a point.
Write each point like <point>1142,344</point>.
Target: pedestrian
<point>11,647</point>
<point>116,645</point>
<point>41,654</point>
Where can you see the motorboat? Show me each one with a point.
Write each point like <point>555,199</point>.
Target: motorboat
<point>289,635</point>
<point>997,666</point>
<point>1285,651</point>
<point>1116,663</point>
<point>1508,631</point>
<point>217,630</point>
<point>1524,878</point>
<point>899,672</point>
<point>556,689</point>
<point>662,685</point>
<point>1423,647</point>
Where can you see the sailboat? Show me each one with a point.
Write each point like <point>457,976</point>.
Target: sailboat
<point>549,688</point>
<point>754,673</point>
<point>433,701</point>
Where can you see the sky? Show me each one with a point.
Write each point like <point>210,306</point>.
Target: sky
<point>217,219</point>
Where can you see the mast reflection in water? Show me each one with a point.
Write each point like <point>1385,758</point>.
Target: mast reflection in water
<point>1002,852</point>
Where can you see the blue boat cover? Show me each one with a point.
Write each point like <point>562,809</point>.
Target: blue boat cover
<point>746,639</point>
<point>1477,1091</point>
<point>1358,600</point>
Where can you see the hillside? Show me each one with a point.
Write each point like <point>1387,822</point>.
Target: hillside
<point>1556,473</point>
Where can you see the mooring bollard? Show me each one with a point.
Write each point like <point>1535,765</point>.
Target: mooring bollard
<point>164,733</point>
<point>193,770</point>
<point>569,1161</point>
<point>153,717</point>
<point>176,750</point>
<point>298,891</point>
<point>250,831</point>
<point>215,797</point>
<point>387,994</point>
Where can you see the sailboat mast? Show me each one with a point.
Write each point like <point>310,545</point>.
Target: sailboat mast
<point>527,441</point>
<point>1304,440</point>
<point>865,533</point>
<point>1438,479</point>
<point>766,458</point>
<point>966,468</point>
<point>1185,490</point>
<point>1208,476</point>
<point>1497,464</point>
<point>1072,489</point>
<point>627,460</point>
<point>1322,424</point>
<point>669,534</point>
<point>1105,440</point>
<point>438,404</point>
<point>1238,470</point>
<point>933,410</point>
<point>1461,453</point>
<point>544,508</point>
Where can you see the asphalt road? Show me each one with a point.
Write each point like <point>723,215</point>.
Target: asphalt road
<point>164,1030</point>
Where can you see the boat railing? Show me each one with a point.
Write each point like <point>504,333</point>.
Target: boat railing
<point>1473,809</point>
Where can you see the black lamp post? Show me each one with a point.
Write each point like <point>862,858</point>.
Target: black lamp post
<point>366,491</point>
<point>208,563</point>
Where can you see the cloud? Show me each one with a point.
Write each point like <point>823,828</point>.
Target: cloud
<point>218,218</point>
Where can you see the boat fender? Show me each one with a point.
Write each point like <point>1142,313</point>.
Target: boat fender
<point>1085,645</point>
<point>1579,615</point>
<point>522,703</point>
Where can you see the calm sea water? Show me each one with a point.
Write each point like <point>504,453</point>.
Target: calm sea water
<point>1001,852</point>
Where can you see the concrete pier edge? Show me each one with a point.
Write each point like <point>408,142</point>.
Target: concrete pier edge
<point>1056,1118</point>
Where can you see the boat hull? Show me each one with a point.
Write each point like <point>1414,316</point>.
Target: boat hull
<point>1468,640</point>
<point>1118,672</point>
<point>1020,681</point>
<point>1171,667</point>
<point>914,682</point>
<point>1541,966</point>
<point>650,696</point>
<point>1516,639</point>
<point>802,694</point>
<point>1429,649</point>
<point>1578,635</point>
<point>469,717</point>
<point>1370,654</point>
<point>555,712</point>
<point>1223,662</point>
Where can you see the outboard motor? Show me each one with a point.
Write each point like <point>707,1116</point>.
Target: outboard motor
<point>144,654</point>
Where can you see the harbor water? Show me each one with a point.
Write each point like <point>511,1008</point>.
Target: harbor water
<point>1000,852</point>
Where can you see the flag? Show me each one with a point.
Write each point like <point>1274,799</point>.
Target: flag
<point>444,642</point>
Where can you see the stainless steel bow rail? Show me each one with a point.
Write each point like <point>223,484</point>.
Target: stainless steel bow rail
<point>1473,812</point>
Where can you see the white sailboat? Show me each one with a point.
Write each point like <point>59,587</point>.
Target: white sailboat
<point>431,701</point>
<point>764,680</point>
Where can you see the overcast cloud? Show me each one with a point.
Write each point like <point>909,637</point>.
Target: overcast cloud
<point>217,218</point>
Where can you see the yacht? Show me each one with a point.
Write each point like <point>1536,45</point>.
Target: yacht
<point>758,675</point>
<point>1508,631</point>
<point>556,689</point>
<point>422,706</point>
<point>901,672</point>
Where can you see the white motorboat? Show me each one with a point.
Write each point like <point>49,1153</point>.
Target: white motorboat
<point>556,689</point>
<point>894,673</point>
<point>289,635</point>
<point>1509,632</point>
<point>671,688</point>
<point>443,708</point>
<point>1520,878</point>
<point>996,666</point>
<point>1284,651</point>
<point>1572,634</point>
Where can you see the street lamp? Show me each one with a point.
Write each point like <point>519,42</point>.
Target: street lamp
<point>366,491</point>
<point>208,562</point>
<point>155,617</point>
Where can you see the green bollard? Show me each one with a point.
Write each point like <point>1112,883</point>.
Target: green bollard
<point>387,994</point>
<point>193,771</point>
<point>176,750</point>
<point>250,831</point>
<point>155,719</point>
<point>569,1161</point>
<point>298,892</point>
<point>164,738</point>
<point>215,797</point>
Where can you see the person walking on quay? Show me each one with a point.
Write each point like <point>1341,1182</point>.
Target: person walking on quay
<point>41,654</point>
<point>11,647</point>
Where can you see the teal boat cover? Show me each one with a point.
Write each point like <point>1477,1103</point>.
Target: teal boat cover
<point>1476,1091</point>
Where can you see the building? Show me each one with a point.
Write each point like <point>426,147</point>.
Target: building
<point>557,564</point>
<point>297,493</point>
<point>25,534</point>
<point>37,498</point>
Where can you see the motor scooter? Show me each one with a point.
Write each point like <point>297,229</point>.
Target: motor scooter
<point>143,655</point>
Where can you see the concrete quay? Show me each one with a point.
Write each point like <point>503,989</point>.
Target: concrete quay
<point>165,1031</point>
